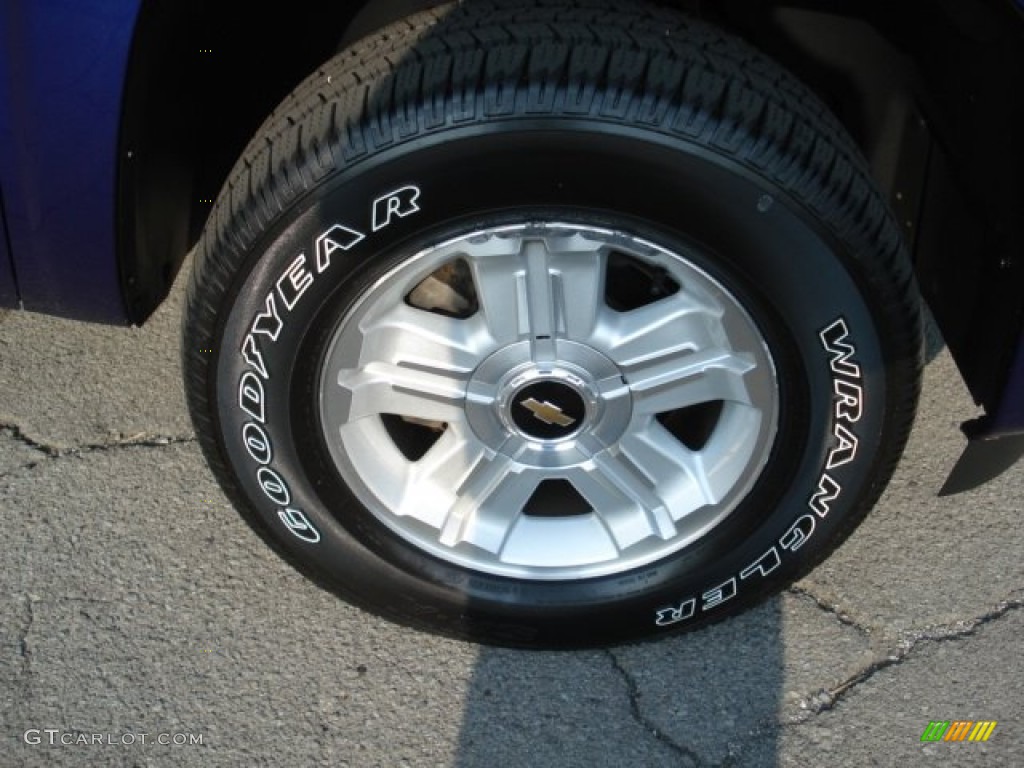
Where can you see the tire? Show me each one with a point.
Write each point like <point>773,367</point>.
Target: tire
<point>552,326</point>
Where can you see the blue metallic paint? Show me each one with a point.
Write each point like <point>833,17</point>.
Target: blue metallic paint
<point>62,68</point>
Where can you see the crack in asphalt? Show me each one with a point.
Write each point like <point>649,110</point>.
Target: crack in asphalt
<point>24,651</point>
<point>827,699</point>
<point>15,432</point>
<point>51,452</point>
<point>831,608</point>
<point>633,694</point>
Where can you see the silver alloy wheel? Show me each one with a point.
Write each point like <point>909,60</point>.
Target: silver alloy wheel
<point>562,437</point>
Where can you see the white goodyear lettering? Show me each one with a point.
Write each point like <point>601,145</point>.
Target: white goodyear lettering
<point>253,357</point>
<point>337,238</point>
<point>295,520</point>
<point>294,282</point>
<point>289,287</point>
<point>252,397</point>
<point>401,203</point>
<point>847,410</point>
<point>257,443</point>
<point>268,322</point>
<point>274,486</point>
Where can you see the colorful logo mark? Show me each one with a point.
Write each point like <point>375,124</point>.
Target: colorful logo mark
<point>958,730</point>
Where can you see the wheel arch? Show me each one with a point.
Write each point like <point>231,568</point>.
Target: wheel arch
<point>200,80</point>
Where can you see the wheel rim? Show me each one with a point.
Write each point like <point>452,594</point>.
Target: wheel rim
<point>549,401</point>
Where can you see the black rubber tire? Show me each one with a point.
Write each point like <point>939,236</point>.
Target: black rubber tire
<point>613,112</point>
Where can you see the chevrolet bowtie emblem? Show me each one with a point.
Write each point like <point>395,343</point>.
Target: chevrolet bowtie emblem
<point>547,412</point>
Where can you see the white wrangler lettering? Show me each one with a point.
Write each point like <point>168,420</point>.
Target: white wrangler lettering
<point>849,397</point>
<point>846,448</point>
<point>764,565</point>
<point>798,533</point>
<point>828,491</point>
<point>675,614</point>
<point>400,203</point>
<point>834,338</point>
<point>718,595</point>
<point>847,409</point>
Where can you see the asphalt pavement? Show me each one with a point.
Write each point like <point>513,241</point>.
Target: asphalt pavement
<point>143,624</point>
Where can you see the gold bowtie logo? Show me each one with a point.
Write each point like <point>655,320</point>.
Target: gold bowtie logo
<point>547,412</point>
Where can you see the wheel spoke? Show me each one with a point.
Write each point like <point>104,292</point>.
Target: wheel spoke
<point>380,388</point>
<point>490,500</point>
<point>682,380</point>
<point>406,362</point>
<point>580,267</point>
<point>449,461</point>
<point>544,300</point>
<point>430,484</point>
<point>678,473</point>
<point>497,268</point>
<point>416,338</point>
<point>525,290</point>
<point>679,323</point>
<point>628,504</point>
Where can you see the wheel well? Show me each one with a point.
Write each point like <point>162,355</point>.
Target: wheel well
<point>200,81</point>
<point>919,85</point>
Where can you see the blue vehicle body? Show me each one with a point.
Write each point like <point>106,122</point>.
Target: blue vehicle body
<point>62,69</point>
<point>78,234</point>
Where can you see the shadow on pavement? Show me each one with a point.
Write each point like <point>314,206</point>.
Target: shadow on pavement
<point>708,697</point>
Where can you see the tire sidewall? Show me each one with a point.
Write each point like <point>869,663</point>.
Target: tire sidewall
<point>800,281</point>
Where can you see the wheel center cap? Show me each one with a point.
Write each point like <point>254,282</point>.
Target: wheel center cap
<point>548,415</point>
<point>548,410</point>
